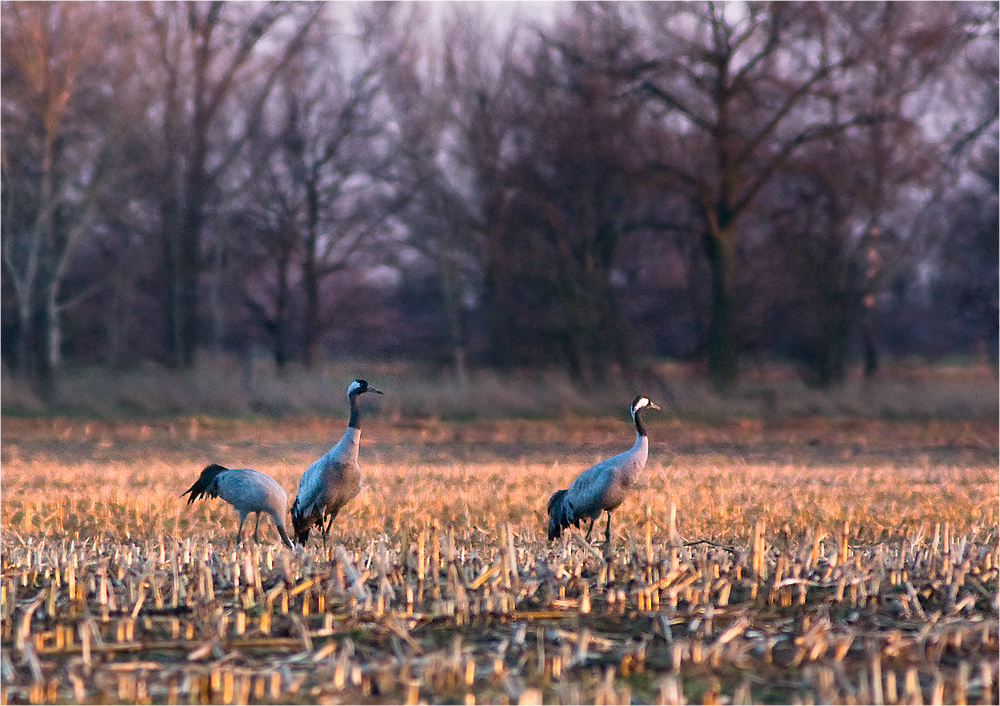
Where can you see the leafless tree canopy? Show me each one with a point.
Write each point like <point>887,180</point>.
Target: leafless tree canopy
<point>586,187</point>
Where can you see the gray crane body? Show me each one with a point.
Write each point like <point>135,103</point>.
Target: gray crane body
<point>603,486</point>
<point>328,484</point>
<point>331,482</point>
<point>247,491</point>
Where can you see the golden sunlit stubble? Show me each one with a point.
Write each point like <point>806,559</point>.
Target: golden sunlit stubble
<point>810,560</point>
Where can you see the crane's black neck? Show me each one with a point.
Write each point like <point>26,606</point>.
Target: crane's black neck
<point>355,412</point>
<point>639,426</point>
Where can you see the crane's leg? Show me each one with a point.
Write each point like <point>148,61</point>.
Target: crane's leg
<point>590,528</point>
<point>239,530</point>
<point>329,524</point>
<point>607,531</point>
<point>256,525</point>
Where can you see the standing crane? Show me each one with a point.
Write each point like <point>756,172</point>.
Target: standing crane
<point>247,491</point>
<point>329,483</point>
<point>603,486</point>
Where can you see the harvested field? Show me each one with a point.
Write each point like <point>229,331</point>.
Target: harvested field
<point>814,560</point>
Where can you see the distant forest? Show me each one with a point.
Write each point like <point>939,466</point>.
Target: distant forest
<point>581,186</point>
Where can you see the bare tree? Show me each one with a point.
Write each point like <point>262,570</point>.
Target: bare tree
<point>959,224</point>
<point>740,87</point>
<point>894,84</point>
<point>320,186</point>
<point>846,197</point>
<point>576,174</point>
<point>207,53</point>
<point>268,259</point>
<point>66,71</point>
<point>451,102</point>
<point>522,183</point>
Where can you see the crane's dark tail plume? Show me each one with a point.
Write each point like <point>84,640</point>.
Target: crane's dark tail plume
<point>559,517</point>
<point>205,485</point>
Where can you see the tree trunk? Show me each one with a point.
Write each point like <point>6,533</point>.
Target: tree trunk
<point>117,317</point>
<point>189,244</point>
<point>53,336</point>
<point>499,310</point>
<point>189,267</point>
<point>871,350</point>
<point>452,296</point>
<point>281,337</point>
<point>39,365</point>
<point>580,356</point>
<point>720,247</point>
<point>35,312</point>
<point>831,363</point>
<point>170,219</point>
<point>172,284</point>
<point>310,277</point>
<point>623,344</point>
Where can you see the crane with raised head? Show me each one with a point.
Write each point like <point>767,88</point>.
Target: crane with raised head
<point>603,486</point>
<point>329,483</point>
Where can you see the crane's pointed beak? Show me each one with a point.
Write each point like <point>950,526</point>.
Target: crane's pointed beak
<point>372,389</point>
<point>653,406</point>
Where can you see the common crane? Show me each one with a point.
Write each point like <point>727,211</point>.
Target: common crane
<point>247,491</point>
<point>603,486</point>
<point>329,483</point>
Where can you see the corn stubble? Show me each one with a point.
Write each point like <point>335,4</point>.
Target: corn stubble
<point>800,578</point>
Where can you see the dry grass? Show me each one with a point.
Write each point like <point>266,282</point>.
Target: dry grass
<point>253,388</point>
<point>846,561</point>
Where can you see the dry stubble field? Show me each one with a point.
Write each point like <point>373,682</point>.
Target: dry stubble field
<point>844,562</point>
